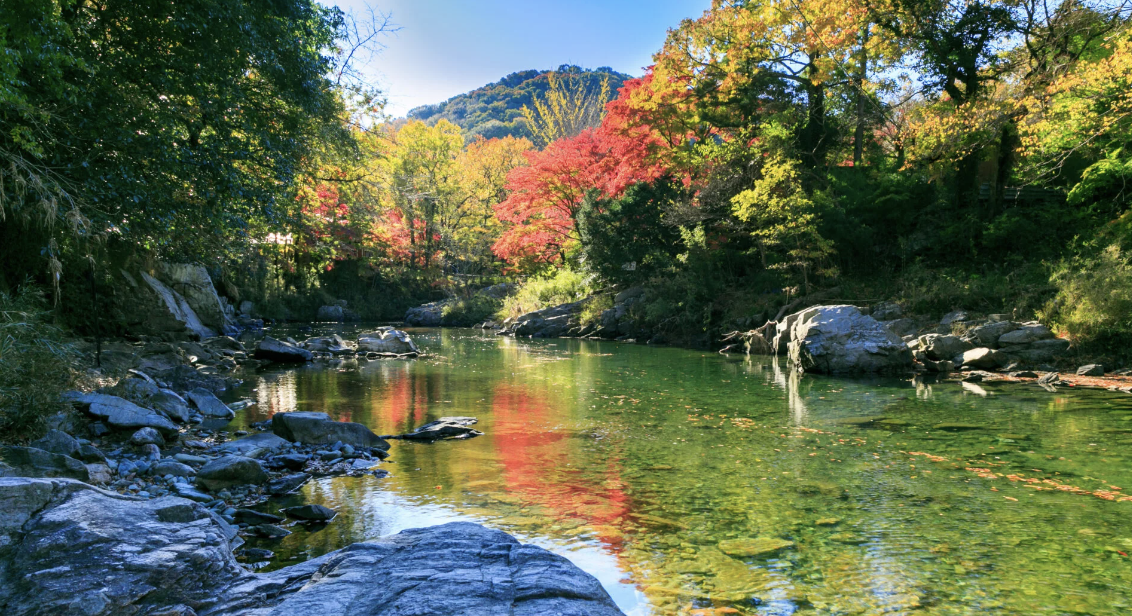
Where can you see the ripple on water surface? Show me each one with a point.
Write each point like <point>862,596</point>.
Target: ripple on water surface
<point>691,483</point>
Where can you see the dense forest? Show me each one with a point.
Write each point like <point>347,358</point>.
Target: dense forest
<point>943,153</point>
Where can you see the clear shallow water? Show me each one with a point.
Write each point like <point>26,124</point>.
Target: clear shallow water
<point>650,467</point>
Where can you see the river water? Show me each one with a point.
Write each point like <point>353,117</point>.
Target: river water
<point>694,483</point>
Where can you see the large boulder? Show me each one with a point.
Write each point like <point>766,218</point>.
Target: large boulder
<point>69,548</point>
<point>229,471</point>
<point>123,414</point>
<point>178,308</point>
<point>32,462</point>
<point>457,569</point>
<point>193,283</point>
<point>276,350</point>
<point>209,405</point>
<point>839,339</point>
<point>550,322</point>
<point>428,315</point>
<point>387,340</point>
<point>319,429</point>
<point>332,313</point>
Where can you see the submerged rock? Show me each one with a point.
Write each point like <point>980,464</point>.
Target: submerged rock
<point>839,339</point>
<point>752,548</point>
<point>444,428</point>
<point>316,513</point>
<point>319,429</point>
<point>254,446</point>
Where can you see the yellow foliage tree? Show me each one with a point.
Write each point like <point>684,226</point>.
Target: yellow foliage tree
<point>570,106</point>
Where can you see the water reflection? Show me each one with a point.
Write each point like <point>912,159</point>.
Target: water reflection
<point>647,466</point>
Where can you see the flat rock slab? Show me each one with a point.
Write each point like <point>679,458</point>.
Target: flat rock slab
<point>444,428</point>
<point>319,429</point>
<point>208,404</point>
<point>123,414</point>
<point>314,513</point>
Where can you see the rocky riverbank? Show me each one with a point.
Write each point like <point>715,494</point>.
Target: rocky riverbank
<point>67,548</point>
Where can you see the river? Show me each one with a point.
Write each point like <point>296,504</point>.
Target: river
<point>693,483</point>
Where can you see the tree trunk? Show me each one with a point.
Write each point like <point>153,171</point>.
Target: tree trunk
<point>859,131</point>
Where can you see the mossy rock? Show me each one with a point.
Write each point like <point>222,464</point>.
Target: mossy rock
<point>957,427</point>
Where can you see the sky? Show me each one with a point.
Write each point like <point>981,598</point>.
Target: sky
<point>448,47</point>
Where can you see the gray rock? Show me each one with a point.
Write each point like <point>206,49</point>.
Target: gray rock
<point>278,351</point>
<point>444,428</point>
<point>316,513</point>
<point>186,458</point>
<point>387,341</point>
<point>147,436</point>
<point>319,429</point>
<point>171,405</point>
<point>956,316</point>
<point>32,462</point>
<point>230,471</point>
<point>902,327</point>
<point>1091,370</point>
<point>839,339</point>
<point>330,344</point>
<point>176,308</point>
<point>195,285</point>
<point>185,490</point>
<point>333,313</point>
<point>987,335</point>
<point>80,550</point>
<point>293,461</point>
<point>124,415</point>
<point>455,569</point>
<point>209,405</point>
<point>887,311</point>
<point>151,452</point>
<point>57,441</point>
<point>99,473</point>
<point>428,315</point>
<point>172,467</point>
<point>90,453</point>
<point>1049,378</point>
<point>254,446</point>
<point>1025,334</point>
<point>940,347</point>
<point>288,484</point>
<point>984,359</point>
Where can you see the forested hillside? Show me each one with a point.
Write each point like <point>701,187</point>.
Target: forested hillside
<point>496,110</point>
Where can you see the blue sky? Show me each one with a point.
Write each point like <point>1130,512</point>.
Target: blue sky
<point>446,47</point>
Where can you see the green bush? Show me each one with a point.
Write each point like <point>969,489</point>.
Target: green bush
<point>468,311</point>
<point>36,366</point>
<point>559,287</point>
<point>1094,301</point>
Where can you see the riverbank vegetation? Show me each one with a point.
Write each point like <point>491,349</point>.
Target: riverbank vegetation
<point>945,154</point>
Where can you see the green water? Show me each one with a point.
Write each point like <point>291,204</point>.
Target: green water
<point>652,468</point>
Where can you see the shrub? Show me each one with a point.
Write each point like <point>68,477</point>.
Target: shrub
<point>1094,300</point>
<point>36,366</point>
<point>468,311</point>
<point>559,287</point>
